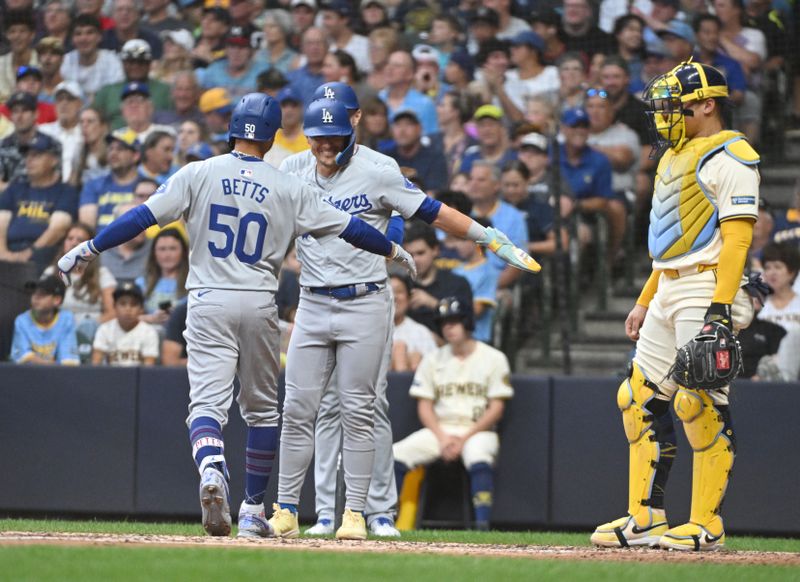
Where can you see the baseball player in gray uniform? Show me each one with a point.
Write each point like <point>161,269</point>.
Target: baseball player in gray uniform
<point>343,319</point>
<point>382,494</point>
<point>241,215</point>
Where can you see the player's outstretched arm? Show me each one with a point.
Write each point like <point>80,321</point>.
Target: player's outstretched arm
<point>360,234</point>
<point>123,229</point>
<point>454,222</point>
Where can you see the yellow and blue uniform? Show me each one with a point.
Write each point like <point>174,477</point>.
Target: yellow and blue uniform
<point>31,208</point>
<point>107,193</point>
<point>55,342</point>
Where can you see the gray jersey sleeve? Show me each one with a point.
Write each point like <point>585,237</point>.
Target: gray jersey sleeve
<point>315,216</point>
<point>296,162</point>
<point>399,193</point>
<point>173,197</point>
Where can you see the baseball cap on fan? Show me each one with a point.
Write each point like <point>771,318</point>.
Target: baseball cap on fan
<point>181,37</point>
<point>217,99</point>
<point>47,284</point>
<point>240,36</point>
<point>534,140</point>
<point>424,53</point>
<point>136,50</point>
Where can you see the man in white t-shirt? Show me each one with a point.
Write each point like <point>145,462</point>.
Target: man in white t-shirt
<point>88,65</point>
<point>781,263</point>
<point>412,340</point>
<point>126,341</point>
<point>461,390</point>
<point>67,130</point>
<point>530,77</point>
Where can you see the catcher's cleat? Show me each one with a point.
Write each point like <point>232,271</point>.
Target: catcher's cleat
<point>353,526</point>
<point>214,503</point>
<point>284,522</point>
<point>253,522</point>
<point>645,529</point>
<point>692,537</point>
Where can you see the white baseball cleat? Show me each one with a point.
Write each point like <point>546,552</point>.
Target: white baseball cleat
<point>383,527</point>
<point>323,527</point>
<point>214,503</point>
<point>253,522</point>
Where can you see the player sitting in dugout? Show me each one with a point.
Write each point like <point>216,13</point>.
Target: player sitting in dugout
<point>461,390</point>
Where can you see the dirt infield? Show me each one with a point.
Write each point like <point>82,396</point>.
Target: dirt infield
<point>483,550</point>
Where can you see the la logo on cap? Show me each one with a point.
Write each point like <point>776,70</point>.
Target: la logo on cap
<point>327,116</point>
<point>329,93</point>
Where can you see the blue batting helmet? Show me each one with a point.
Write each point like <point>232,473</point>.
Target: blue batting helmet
<point>326,117</point>
<point>337,91</point>
<point>256,117</point>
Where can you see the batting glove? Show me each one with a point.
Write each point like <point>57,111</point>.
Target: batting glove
<point>500,245</point>
<point>75,261</point>
<point>402,258</point>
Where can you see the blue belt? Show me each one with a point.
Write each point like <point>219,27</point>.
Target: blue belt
<point>346,291</point>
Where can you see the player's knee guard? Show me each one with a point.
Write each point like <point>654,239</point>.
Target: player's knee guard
<point>710,433</point>
<point>648,426</point>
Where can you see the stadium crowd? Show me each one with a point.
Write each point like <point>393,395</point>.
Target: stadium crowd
<point>477,100</point>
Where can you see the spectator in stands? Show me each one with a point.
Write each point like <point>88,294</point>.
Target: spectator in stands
<point>173,346</point>
<point>290,138</point>
<point>787,224</point>
<point>382,43</point>
<point>529,78</point>
<point>20,28</point>
<point>762,236</point>
<point>661,12</point>
<point>615,79</point>
<point>580,33</point>
<point>136,62</point>
<point>190,133</point>
<point>216,106</point>
<point>541,114</point>
<point>749,47</point>
<point>138,112</point>
<point>157,16</point>
<point>51,56</point>
<point>101,196</point>
<point>337,23</point>
<point>759,14</point>
<point>453,111</point>
<point>760,339</point>
<point>460,70</point>
<point>237,72</point>
<point>164,281</point>
<point>444,36</point>
<point>57,21</point>
<point>707,29</point>
<point>340,66</point>
<point>127,15</point>
<point>210,45</point>
<point>621,146</point>
<point>547,24</point>
<point>276,51</point>
<point>483,27</point>
<point>657,61</point>
<point>461,390</point>
<point>158,151</point>
<point>781,264</point>
<point>374,131</point>
<point>22,107</point>
<point>271,81</point>
<point>93,162</point>
<point>409,151</point>
<point>432,283</point>
<point>680,40</point>
<point>94,8</point>
<point>411,340</point>
<point>126,340</point>
<point>36,210</point>
<point>572,81</point>
<point>127,261</point>
<point>89,298</point>
<point>426,76</point>
<point>399,93</point>
<point>484,192</point>
<point>45,334</point>
<point>67,130</point>
<point>510,26</point>
<point>303,13</point>
<point>493,60</point>
<point>177,59</point>
<point>307,78</point>
<point>629,34</point>
<point>493,144</point>
<point>88,65</point>
<point>29,80</point>
<point>374,14</point>
<point>482,278</point>
<point>185,97</point>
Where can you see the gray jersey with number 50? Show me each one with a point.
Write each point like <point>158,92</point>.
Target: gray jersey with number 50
<point>241,215</point>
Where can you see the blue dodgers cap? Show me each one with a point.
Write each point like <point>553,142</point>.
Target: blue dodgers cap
<point>574,117</point>
<point>135,88</point>
<point>199,151</point>
<point>678,28</point>
<point>288,94</point>
<point>529,38</point>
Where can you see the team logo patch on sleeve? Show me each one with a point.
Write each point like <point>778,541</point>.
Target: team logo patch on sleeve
<point>743,199</point>
<point>409,184</point>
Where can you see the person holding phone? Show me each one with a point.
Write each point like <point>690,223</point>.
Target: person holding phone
<point>164,281</point>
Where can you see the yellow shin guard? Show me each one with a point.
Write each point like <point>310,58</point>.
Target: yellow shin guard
<point>710,434</point>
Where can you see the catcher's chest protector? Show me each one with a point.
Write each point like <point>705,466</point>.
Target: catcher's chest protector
<point>683,218</point>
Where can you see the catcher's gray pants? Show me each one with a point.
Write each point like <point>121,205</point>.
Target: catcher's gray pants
<point>229,333</point>
<point>674,317</point>
<point>349,335</point>
<point>382,496</point>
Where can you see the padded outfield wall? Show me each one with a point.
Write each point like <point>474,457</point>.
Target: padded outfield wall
<point>113,442</point>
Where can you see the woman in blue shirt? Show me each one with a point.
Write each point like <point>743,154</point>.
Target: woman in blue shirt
<point>164,282</point>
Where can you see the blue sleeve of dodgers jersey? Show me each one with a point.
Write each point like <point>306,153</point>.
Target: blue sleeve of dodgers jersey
<point>396,229</point>
<point>124,228</point>
<point>359,234</point>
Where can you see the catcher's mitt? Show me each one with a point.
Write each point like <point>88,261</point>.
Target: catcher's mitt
<point>712,359</point>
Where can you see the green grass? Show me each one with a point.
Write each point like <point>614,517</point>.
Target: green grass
<point>458,536</point>
<point>88,564</point>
